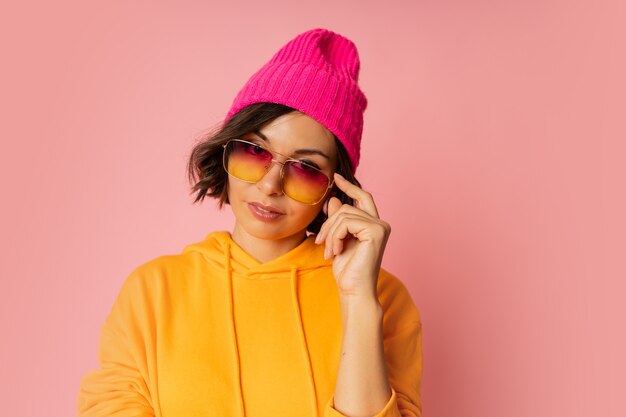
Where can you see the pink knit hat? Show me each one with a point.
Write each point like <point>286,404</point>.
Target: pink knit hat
<point>316,73</point>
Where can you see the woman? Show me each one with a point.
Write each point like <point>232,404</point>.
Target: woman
<point>291,314</point>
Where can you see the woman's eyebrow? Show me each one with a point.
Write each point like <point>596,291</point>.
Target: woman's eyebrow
<point>299,151</point>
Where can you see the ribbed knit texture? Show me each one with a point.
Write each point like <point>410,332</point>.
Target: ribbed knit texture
<point>316,73</point>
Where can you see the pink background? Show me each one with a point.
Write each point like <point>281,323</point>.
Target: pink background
<point>493,145</point>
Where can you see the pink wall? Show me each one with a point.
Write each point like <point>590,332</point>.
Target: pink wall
<point>490,145</point>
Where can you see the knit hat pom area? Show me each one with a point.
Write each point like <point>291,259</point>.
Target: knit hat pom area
<point>316,73</point>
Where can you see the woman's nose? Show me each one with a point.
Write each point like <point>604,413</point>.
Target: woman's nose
<point>270,183</point>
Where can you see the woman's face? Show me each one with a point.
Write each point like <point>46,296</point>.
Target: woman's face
<point>284,135</point>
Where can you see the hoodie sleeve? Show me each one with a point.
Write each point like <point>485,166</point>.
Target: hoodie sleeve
<point>402,339</point>
<point>120,387</point>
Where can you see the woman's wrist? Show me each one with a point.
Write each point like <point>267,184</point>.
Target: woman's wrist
<point>361,306</point>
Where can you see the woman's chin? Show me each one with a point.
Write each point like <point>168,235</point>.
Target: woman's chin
<point>270,231</point>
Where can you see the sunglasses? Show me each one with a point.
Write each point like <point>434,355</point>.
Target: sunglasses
<point>249,162</point>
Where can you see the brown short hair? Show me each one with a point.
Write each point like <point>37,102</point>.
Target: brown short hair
<point>206,173</point>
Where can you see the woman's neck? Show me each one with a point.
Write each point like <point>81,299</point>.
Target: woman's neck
<point>264,250</point>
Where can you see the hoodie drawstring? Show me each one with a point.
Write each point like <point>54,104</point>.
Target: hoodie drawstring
<point>296,307</point>
<point>229,276</point>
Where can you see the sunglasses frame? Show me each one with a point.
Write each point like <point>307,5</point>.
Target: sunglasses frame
<point>331,181</point>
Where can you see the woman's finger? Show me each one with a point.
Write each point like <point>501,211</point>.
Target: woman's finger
<point>345,208</point>
<point>329,239</point>
<point>361,227</point>
<point>344,225</point>
<point>364,199</point>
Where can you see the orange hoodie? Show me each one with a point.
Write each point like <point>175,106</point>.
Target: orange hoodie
<point>214,332</point>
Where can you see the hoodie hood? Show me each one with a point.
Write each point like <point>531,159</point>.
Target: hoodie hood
<point>219,249</point>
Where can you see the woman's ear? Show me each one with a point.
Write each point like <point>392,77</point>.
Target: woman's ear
<point>325,206</point>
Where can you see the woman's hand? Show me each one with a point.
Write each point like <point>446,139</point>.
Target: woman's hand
<point>356,237</point>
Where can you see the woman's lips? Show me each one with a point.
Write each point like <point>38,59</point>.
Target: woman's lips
<point>267,208</point>
<point>262,214</point>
